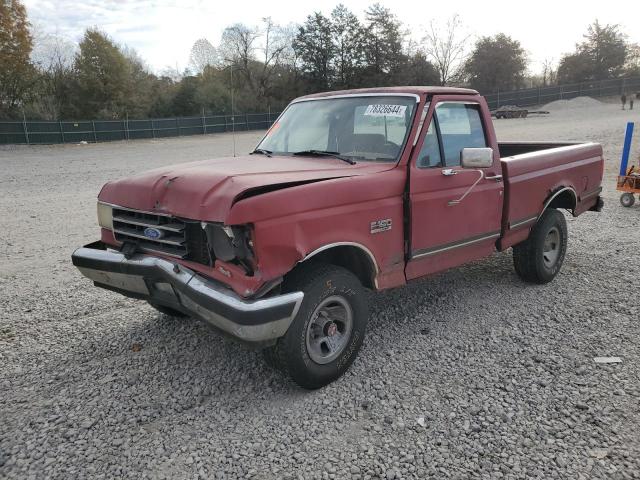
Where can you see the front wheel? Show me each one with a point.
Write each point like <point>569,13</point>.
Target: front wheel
<point>539,258</point>
<point>328,330</point>
<point>627,199</point>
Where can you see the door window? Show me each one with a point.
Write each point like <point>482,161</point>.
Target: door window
<point>460,126</point>
<point>429,155</point>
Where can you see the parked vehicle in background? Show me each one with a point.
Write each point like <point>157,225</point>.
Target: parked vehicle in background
<point>348,191</point>
<point>513,111</point>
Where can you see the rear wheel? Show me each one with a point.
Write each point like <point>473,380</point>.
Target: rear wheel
<point>627,200</point>
<point>539,258</point>
<point>328,330</point>
<point>168,311</point>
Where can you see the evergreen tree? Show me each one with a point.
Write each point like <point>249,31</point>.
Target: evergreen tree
<point>314,46</point>
<point>496,63</point>
<point>601,55</point>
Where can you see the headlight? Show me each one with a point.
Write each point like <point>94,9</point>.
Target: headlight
<point>105,215</point>
<point>228,243</point>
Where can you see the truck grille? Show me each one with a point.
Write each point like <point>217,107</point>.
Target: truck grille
<point>179,238</point>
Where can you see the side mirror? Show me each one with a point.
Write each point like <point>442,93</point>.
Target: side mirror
<point>476,157</point>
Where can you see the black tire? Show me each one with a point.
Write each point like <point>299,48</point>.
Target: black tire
<point>168,311</point>
<point>539,258</point>
<point>293,353</point>
<point>627,199</point>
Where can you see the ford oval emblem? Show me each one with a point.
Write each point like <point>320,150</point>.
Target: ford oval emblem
<point>153,233</point>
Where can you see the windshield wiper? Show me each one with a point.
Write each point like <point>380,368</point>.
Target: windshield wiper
<point>326,153</point>
<point>262,151</point>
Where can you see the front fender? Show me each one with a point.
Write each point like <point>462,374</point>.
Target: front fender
<point>290,224</point>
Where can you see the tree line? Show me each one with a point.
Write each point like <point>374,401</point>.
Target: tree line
<point>263,67</point>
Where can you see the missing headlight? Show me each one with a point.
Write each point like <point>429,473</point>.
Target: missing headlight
<point>220,242</point>
<point>229,243</point>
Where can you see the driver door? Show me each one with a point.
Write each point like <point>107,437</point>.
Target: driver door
<point>444,233</point>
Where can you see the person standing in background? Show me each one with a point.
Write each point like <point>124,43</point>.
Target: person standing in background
<point>631,99</point>
<point>623,99</point>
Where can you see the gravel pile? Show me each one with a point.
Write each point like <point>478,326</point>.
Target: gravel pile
<point>574,103</point>
<point>469,374</point>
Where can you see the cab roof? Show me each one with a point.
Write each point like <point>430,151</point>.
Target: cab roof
<point>416,90</point>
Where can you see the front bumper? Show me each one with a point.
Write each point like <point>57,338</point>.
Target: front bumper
<point>172,285</point>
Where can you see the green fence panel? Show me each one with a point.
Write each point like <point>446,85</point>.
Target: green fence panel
<point>76,132</point>
<point>166,127</point>
<point>540,96</point>
<point>110,130</point>
<point>12,132</point>
<point>48,132</point>
<point>190,125</point>
<point>139,129</point>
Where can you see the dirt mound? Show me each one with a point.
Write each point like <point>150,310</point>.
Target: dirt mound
<point>578,102</point>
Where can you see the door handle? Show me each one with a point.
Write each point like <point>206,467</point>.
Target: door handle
<point>497,178</point>
<point>447,172</point>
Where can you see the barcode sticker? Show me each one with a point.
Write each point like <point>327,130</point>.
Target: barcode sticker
<point>382,110</point>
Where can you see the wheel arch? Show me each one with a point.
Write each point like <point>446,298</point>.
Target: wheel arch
<point>564,197</point>
<point>355,257</point>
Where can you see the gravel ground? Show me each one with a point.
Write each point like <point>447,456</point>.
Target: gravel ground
<point>468,374</point>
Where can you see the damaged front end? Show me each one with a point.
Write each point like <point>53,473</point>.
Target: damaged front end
<point>230,244</point>
<point>207,244</point>
<point>204,269</point>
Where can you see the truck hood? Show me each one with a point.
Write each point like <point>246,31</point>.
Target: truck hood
<point>206,190</point>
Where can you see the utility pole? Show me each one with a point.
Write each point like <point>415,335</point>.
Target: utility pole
<point>233,119</point>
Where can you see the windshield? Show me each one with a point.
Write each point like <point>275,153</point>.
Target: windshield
<point>370,128</point>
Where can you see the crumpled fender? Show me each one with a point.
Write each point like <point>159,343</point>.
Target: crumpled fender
<point>291,223</point>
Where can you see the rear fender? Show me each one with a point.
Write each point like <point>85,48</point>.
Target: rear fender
<point>517,232</point>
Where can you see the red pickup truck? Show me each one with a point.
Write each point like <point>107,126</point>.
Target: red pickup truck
<point>347,191</point>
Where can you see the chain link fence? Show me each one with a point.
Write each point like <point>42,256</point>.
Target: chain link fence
<point>49,132</point>
<point>539,96</point>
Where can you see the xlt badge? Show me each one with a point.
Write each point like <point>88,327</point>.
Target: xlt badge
<point>378,226</point>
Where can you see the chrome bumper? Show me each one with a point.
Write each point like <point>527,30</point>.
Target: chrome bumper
<point>166,283</point>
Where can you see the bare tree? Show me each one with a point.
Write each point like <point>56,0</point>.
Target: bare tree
<point>446,47</point>
<point>274,49</point>
<point>203,55</point>
<point>53,56</point>
<point>172,73</point>
<point>257,53</point>
<point>632,63</point>
<point>238,45</point>
<point>289,55</point>
<point>549,72</point>
<point>51,50</point>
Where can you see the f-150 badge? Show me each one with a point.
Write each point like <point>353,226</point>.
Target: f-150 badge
<point>378,226</point>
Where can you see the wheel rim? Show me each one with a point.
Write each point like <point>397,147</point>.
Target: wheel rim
<point>627,199</point>
<point>329,329</point>
<point>551,250</point>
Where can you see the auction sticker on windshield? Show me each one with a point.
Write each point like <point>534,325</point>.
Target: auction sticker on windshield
<point>382,110</point>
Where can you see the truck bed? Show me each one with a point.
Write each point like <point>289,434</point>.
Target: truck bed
<point>535,173</point>
<point>510,149</point>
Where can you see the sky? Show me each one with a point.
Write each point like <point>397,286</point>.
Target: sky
<point>163,31</point>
